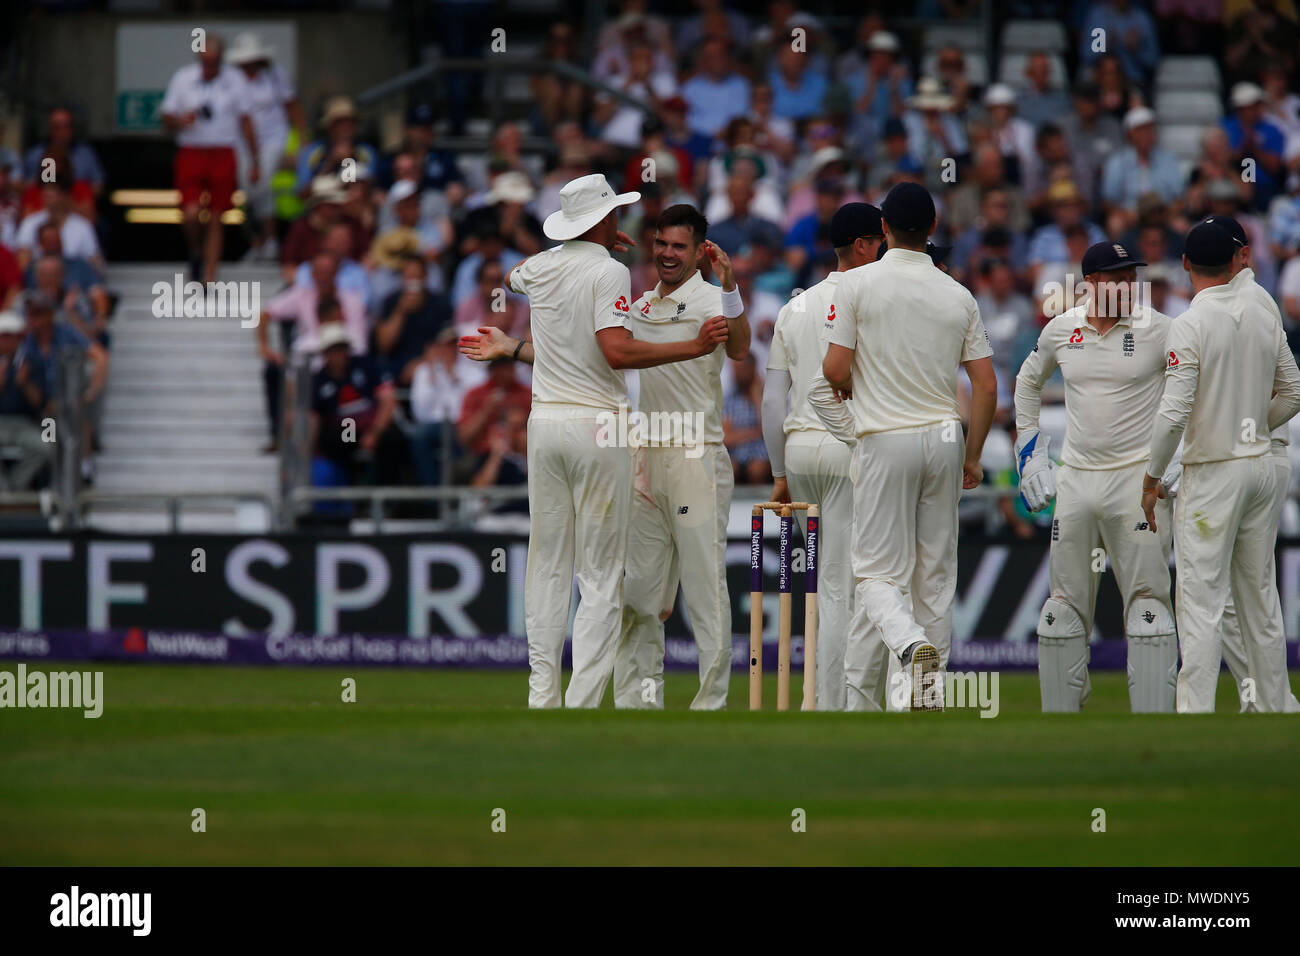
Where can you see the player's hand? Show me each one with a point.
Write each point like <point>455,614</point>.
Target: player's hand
<point>842,395</point>
<point>712,334</point>
<point>972,473</point>
<point>1149,498</point>
<point>721,265</point>
<point>624,241</point>
<point>781,491</point>
<point>490,343</point>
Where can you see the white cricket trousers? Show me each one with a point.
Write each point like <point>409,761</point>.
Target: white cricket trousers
<point>1234,651</point>
<point>817,470</point>
<point>680,504</point>
<point>1103,510</point>
<point>906,485</point>
<point>1225,530</point>
<point>579,496</point>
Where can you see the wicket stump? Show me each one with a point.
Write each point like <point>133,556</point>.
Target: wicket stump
<point>784,607</point>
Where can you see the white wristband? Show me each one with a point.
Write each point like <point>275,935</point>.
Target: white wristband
<point>732,305</point>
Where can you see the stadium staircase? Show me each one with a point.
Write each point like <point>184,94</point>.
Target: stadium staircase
<point>184,410</point>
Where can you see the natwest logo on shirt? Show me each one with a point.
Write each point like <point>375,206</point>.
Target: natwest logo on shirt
<point>830,316</point>
<point>1076,339</point>
<point>620,304</point>
<point>1173,359</point>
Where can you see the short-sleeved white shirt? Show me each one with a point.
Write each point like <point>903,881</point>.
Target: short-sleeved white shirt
<point>574,291</point>
<point>270,90</point>
<point>911,326</point>
<point>690,387</point>
<point>226,98</point>
<point>76,234</point>
<point>798,347</point>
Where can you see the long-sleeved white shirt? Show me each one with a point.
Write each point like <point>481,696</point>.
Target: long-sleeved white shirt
<point>1112,385</point>
<point>798,347</point>
<point>1245,284</point>
<point>1226,356</point>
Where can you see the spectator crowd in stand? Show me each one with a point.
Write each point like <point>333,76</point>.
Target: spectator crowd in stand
<point>767,123</point>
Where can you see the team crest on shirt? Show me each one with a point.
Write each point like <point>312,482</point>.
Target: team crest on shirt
<point>1076,339</point>
<point>1128,345</point>
<point>645,309</point>
<point>680,309</point>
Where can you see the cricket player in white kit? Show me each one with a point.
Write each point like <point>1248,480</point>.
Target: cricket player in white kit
<point>811,464</point>
<point>579,489</point>
<point>901,329</point>
<point>1234,652</point>
<point>683,478</point>
<point>1112,356</point>
<point>1230,380</point>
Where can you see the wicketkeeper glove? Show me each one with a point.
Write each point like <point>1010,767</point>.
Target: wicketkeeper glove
<point>1037,471</point>
<point>1173,474</point>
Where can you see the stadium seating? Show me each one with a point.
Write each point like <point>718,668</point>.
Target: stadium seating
<point>1188,73</point>
<point>1028,36</point>
<point>1186,106</point>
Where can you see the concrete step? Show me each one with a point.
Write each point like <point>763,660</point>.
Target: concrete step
<point>183,442</point>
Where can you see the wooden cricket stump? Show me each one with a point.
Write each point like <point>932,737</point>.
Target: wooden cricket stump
<point>784,606</point>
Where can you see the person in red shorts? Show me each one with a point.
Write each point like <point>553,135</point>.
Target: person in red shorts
<point>207,105</point>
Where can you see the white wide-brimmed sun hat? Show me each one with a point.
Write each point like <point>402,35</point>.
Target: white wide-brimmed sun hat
<point>248,48</point>
<point>584,202</point>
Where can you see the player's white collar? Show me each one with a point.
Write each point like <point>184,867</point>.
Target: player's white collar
<point>683,291</point>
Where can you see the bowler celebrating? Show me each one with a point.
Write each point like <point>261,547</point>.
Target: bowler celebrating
<point>1112,357</point>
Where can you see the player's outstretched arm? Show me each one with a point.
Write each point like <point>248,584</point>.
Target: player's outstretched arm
<point>491,343</point>
<point>621,350</point>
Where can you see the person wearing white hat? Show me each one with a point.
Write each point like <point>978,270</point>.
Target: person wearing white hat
<point>274,108</point>
<point>934,131</point>
<point>1013,135</point>
<point>1253,137</point>
<point>1139,168</point>
<point>579,483</point>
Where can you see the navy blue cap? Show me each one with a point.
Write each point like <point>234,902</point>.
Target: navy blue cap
<point>420,114</point>
<point>852,221</point>
<point>937,253</point>
<point>1209,245</point>
<point>894,127</point>
<point>1231,227</point>
<point>1108,257</point>
<point>908,206</point>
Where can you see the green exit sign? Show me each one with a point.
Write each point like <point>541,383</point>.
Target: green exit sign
<point>139,109</point>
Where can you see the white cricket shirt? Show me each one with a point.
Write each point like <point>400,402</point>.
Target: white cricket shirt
<point>1244,283</point>
<point>219,103</point>
<point>1225,357</point>
<point>691,387</point>
<point>1113,384</point>
<point>911,326</point>
<point>798,347</point>
<point>574,290</point>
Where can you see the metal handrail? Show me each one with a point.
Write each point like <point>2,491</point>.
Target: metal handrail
<point>172,501</point>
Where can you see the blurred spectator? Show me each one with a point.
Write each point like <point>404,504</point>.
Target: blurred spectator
<point>11,205</point>
<point>307,235</point>
<point>677,135</point>
<point>1041,102</point>
<point>633,27</point>
<point>994,216</point>
<point>275,110</point>
<point>772,133</point>
<point>351,275</point>
<point>434,170</point>
<point>493,305</point>
<point>438,389</point>
<point>827,165</point>
<point>22,402</point>
<point>1093,135</point>
<point>9,160</point>
<point>1114,95</point>
<point>741,427</point>
<point>1008,316</point>
<point>740,227</point>
<point>1128,30</point>
<point>505,211</point>
<point>1281,108</point>
<point>409,319</point>
<point>1141,167</point>
<point>339,146</point>
<point>11,279</point>
<point>1013,136</point>
<point>76,233</point>
<point>60,139</point>
<point>950,68</point>
<point>798,88</point>
<point>412,235</point>
<point>620,123</point>
<point>717,92</point>
<point>558,98</point>
<point>809,239</point>
<point>1067,209</point>
<point>1164,299</point>
<point>1052,162</point>
<point>879,89</point>
<point>743,155</point>
<point>489,246</point>
<point>207,106</point>
<point>352,407</point>
<point>73,305</point>
<point>1262,32</point>
<point>1253,137</point>
<point>714,19</point>
<point>1288,292</point>
<point>892,156</point>
<point>486,404</point>
<point>57,167</point>
<point>935,136</point>
<point>967,199</point>
<point>505,463</point>
<point>1215,164</point>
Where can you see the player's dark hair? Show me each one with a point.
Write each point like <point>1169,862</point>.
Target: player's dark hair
<point>686,215</point>
<point>910,238</point>
<point>1210,272</point>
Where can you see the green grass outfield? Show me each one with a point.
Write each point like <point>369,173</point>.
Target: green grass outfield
<point>412,772</point>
